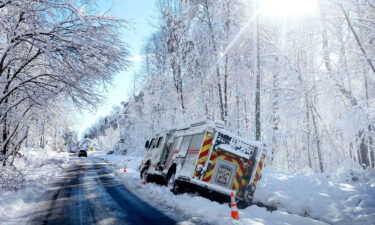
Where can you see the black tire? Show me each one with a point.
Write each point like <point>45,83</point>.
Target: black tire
<point>172,184</point>
<point>144,173</point>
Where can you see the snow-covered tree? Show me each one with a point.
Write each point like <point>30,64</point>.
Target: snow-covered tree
<point>52,49</point>
<point>316,78</point>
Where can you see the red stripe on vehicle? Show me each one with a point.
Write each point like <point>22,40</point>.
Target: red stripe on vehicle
<point>207,179</point>
<point>207,142</point>
<point>213,156</point>
<point>203,154</point>
<point>242,168</point>
<point>228,159</point>
<point>260,165</point>
<point>193,151</point>
<point>256,176</point>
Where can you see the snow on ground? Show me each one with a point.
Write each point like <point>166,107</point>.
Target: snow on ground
<point>346,198</point>
<point>300,198</point>
<point>39,168</point>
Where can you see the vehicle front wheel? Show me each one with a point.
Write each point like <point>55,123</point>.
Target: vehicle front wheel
<point>144,173</point>
<point>172,184</point>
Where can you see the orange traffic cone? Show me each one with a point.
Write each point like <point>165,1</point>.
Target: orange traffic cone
<point>234,213</point>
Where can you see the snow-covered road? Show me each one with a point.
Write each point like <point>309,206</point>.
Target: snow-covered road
<point>87,193</point>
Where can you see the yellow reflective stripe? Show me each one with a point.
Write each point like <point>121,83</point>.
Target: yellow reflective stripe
<point>235,182</point>
<point>209,173</point>
<point>206,147</point>
<point>239,171</point>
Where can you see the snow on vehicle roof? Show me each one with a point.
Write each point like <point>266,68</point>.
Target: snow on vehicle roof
<point>237,145</point>
<point>229,149</point>
<point>255,143</point>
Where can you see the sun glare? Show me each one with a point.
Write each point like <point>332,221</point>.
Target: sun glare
<point>286,8</point>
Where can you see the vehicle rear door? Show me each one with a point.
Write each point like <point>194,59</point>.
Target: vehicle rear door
<point>229,171</point>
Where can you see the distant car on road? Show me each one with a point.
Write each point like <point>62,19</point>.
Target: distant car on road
<point>82,153</point>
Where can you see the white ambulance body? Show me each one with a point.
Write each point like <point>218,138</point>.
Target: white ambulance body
<point>207,157</point>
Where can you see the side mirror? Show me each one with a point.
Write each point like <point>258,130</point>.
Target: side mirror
<point>147,144</point>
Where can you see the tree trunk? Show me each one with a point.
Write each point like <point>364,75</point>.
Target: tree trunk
<point>369,60</point>
<point>257,87</point>
<point>214,45</point>
<point>308,134</point>
<point>318,142</point>
<point>41,144</point>
<point>327,62</point>
<point>226,59</point>
<point>238,114</point>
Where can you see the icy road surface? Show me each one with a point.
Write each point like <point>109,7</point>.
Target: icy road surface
<point>87,193</point>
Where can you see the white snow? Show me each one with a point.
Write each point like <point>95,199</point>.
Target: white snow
<point>40,167</point>
<point>335,199</point>
<point>300,198</point>
<point>229,149</point>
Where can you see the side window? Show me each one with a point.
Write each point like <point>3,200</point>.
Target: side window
<point>151,143</point>
<point>196,142</point>
<point>175,146</point>
<point>175,143</point>
<point>159,142</point>
<point>185,144</point>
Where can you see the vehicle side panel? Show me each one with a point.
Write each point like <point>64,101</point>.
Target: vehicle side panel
<point>154,152</point>
<point>203,154</point>
<point>191,156</point>
<point>175,149</point>
<point>257,173</point>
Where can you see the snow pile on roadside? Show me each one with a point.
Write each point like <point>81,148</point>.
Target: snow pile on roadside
<point>38,168</point>
<point>336,199</point>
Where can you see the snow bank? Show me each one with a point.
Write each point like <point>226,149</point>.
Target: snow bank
<point>39,168</point>
<point>343,198</point>
<point>302,199</point>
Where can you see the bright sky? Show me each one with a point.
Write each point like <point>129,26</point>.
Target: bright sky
<point>140,13</point>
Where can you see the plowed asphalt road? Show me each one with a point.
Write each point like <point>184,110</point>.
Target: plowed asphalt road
<point>88,194</point>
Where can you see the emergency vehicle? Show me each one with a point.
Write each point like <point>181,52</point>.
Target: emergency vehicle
<point>206,157</point>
